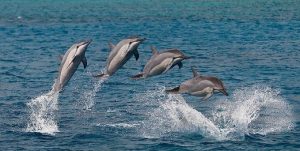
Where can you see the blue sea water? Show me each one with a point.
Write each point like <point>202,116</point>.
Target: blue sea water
<point>253,46</point>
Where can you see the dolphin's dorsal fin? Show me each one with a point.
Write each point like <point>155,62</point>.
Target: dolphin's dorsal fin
<point>195,73</point>
<point>84,62</point>
<point>111,46</point>
<point>136,54</point>
<point>60,57</point>
<point>154,50</point>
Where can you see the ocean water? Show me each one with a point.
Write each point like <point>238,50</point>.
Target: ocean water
<point>253,46</point>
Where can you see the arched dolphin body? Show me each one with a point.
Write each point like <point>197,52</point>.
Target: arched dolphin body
<point>69,64</point>
<point>199,85</point>
<point>120,54</point>
<point>160,63</point>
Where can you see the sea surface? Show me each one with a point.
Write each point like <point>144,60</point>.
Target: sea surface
<point>252,46</point>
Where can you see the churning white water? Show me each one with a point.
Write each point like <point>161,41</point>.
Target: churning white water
<point>42,114</point>
<point>253,110</point>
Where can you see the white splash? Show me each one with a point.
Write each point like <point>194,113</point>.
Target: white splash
<point>175,115</point>
<point>42,114</point>
<point>88,97</point>
<point>254,110</point>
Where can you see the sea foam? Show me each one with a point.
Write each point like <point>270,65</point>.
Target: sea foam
<point>251,110</point>
<point>42,114</point>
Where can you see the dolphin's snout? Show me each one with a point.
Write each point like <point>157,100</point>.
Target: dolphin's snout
<point>183,57</point>
<point>223,91</point>
<point>141,39</point>
<point>84,43</point>
<point>87,42</point>
<point>186,57</point>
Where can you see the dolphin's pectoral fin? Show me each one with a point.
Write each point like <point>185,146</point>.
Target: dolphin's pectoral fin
<point>84,62</point>
<point>111,46</point>
<point>138,76</point>
<point>154,50</point>
<point>60,57</point>
<point>208,95</point>
<point>180,64</point>
<point>136,54</point>
<point>195,73</point>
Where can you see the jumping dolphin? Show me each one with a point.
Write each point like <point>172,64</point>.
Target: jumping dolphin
<point>69,64</point>
<point>160,63</point>
<point>199,85</point>
<point>120,54</point>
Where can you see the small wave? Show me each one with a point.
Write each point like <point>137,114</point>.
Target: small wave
<point>253,110</point>
<point>42,114</point>
<point>109,110</point>
<point>120,125</point>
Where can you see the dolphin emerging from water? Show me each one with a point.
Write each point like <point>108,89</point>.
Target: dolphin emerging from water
<point>160,63</point>
<point>70,62</point>
<point>120,54</point>
<point>199,85</point>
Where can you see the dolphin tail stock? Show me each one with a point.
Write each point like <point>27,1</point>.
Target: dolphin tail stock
<point>56,87</point>
<point>138,76</point>
<point>175,90</point>
<point>54,91</point>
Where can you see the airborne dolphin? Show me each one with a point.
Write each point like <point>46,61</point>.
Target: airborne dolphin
<point>69,64</point>
<point>199,85</point>
<point>160,63</point>
<point>120,54</point>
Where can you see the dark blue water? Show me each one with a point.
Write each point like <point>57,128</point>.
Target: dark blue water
<point>252,46</point>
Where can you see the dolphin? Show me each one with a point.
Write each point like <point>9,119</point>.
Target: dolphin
<point>120,54</point>
<point>203,86</point>
<point>69,64</point>
<point>160,63</point>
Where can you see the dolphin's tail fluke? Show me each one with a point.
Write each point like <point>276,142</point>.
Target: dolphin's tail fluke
<point>102,75</point>
<point>175,90</point>
<point>138,76</point>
